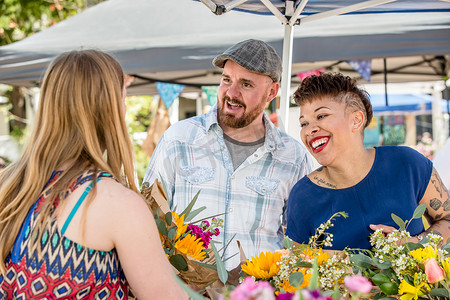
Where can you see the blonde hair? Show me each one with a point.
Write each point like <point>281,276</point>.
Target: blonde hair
<point>79,124</point>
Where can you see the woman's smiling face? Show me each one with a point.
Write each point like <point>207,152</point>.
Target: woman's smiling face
<point>326,128</point>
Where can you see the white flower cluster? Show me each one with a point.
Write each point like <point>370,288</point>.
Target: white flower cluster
<point>286,267</point>
<point>333,271</point>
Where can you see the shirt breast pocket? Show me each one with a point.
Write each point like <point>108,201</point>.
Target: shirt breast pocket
<point>262,185</point>
<point>197,175</point>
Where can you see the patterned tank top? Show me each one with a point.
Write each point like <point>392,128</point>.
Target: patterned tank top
<point>65,269</point>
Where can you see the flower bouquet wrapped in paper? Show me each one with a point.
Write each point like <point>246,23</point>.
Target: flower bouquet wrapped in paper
<point>187,244</point>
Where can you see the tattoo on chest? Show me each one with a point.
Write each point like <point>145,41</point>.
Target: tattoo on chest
<point>323,182</point>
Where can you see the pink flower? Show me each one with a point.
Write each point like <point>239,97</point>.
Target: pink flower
<point>254,290</point>
<point>433,271</point>
<point>358,283</point>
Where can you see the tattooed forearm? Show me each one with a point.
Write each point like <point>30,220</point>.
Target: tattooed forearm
<point>322,182</point>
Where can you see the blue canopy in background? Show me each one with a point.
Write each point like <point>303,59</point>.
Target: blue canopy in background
<point>404,103</point>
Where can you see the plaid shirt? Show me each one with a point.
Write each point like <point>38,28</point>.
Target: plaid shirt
<point>192,156</point>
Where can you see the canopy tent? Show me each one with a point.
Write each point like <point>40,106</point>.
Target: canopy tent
<point>175,41</point>
<point>293,12</point>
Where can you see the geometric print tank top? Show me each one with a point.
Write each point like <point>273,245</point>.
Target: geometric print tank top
<point>65,269</point>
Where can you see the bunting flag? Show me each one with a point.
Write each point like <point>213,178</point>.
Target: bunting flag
<point>363,67</point>
<point>169,92</point>
<point>303,75</point>
<point>211,93</point>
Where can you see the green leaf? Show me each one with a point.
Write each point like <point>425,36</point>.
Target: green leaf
<point>379,279</point>
<point>193,295</point>
<point>168,218</point>
<point>296,279</point>
<point>287,242</point>
<point>389,288</point>
<point>361,260</point>
<point>419,211</point>
<point>221,271</point>
<point>440,292</point>
<point>412,246</point>
<point>194,213</point>
<point>161,227</point>
<point>303,264</point>
<point>314,280</point>
<point>401,224</point>
<point>172,233</point>
<point>382,265</point>
<point>179,262</point>
<point>188,209</point>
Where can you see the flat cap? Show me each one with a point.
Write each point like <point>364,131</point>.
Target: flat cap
<point>253,55</point>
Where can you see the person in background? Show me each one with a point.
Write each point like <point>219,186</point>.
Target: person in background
<point>72,223</point>
<point>367,184</point>
<point>243,166</point>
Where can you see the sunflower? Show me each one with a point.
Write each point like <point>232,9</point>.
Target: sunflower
<point>179,221</point>
<point>317,253</point>
<point>191,246</point>
<point>265,266</point>
<point>423,254</point>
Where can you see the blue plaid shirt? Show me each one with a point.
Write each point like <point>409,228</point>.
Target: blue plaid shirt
<point>192,156</point>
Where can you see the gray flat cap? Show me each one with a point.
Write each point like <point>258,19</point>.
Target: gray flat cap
<point>253,55</point>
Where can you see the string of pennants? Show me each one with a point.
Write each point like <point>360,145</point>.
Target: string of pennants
<point>170,91</point>
<point>363,67</point>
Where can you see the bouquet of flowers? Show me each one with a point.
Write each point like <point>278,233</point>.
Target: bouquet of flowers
<point>410,270</point>
<point>187,244</point>
<point>297,271</point>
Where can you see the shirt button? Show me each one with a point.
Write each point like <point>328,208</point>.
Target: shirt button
<point>232,177</point>
<point>223,147</point>
<point>231,210</point>
<point>263,190</point>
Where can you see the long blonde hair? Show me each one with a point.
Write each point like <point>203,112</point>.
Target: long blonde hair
<point>79,124</point>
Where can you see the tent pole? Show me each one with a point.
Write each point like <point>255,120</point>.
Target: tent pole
<point>385,83</point>
<point>286,77</point>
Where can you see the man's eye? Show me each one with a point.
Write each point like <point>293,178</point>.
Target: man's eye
<point>246,84</point>
<point>225,80</point>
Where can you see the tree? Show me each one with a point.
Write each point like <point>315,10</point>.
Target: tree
<point>22,18</point>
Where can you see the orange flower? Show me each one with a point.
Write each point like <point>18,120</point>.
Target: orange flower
<point>191,246</point>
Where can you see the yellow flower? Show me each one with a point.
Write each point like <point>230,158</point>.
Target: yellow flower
<point>410,291</point>
<point>423,254</point>
<point>446,266</point>
<point>317,253</point>
<point>288,288</point>
<point>179,221</point>
<point>191,246</point>
<point>264,266</point>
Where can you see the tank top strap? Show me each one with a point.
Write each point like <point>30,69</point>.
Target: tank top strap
<point>81,199</point>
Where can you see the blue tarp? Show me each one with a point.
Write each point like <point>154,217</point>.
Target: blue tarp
<point>418,104</point>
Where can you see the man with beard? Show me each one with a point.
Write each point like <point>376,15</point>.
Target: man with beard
<point>243,166</point>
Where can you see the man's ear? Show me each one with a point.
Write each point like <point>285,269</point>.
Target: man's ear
<point>273,92</point>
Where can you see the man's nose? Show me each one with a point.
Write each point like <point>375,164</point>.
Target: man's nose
<point>233,91</point>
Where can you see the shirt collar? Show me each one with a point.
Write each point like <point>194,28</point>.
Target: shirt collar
<point>273,135</point>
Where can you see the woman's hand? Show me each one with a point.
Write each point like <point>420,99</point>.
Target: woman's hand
<point>389,229</point>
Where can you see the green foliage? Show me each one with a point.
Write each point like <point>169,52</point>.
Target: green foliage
<point>138,119</point>
<point>22,18</point>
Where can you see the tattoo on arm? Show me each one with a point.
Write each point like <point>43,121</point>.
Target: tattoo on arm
<point>437,182</point>
<point>435,203</point>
